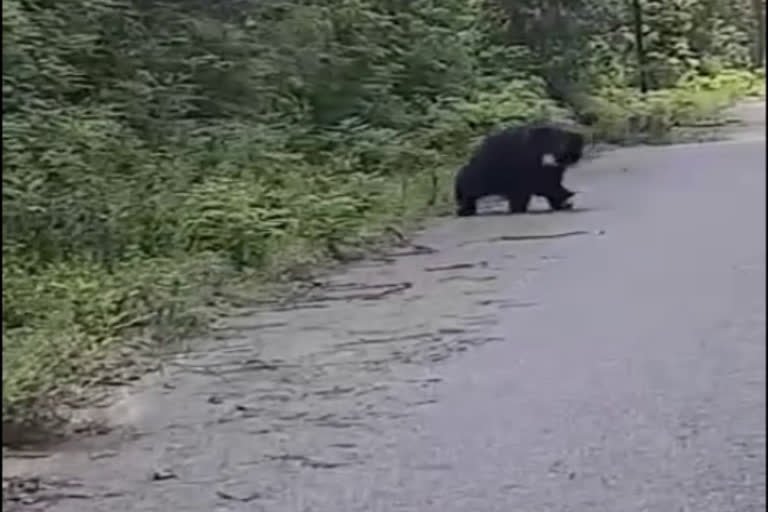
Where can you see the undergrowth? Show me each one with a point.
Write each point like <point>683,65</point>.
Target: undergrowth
<point>155,155</point>
<point>61,320</point>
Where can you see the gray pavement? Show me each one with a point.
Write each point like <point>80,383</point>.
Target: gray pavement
<point>618,367</point>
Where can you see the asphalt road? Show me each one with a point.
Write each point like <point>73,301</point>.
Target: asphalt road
<point>616,367</point>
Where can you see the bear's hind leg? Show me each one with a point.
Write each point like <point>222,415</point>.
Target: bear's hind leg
<point>466,207</point>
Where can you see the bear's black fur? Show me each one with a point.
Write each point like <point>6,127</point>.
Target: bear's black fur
<point>511,163</point>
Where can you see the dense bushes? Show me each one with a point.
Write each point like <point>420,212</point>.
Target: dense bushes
<point>155,149</point>
<point>621,115</point>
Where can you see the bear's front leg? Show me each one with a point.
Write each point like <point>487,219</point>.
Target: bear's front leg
<point>518,202</point>
<point>560,199</point>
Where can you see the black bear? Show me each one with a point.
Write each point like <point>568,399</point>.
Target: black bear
<point>518,163</point>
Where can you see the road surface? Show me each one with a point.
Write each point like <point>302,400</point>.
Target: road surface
<point>617,366</point>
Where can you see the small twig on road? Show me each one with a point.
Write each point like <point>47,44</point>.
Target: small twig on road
<point>523,238</point>
<point>308,304</point>
<point>356,286</point>
<point>159,475</point>
<point>391,339</point>
<point>468,278</point>
<point>416,250</point>
<point>395,289</point>
<point>398,234</point>
<point>388,289</point>
<point>221,369</point>
<point>457,266</point>
<point>251,327</point>
<point>307,462</point>
<point>243,499</point>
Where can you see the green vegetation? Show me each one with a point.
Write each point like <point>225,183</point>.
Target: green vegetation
<point>155,150</point>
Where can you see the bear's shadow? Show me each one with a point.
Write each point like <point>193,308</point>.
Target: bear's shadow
<point>499,207</point>
<point>491,213</point>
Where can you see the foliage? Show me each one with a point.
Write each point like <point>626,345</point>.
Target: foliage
<point>153,150</point>
<point>576,42</point>
<point>622,114</point>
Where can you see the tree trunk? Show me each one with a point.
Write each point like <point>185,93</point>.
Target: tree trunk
<point>759,12</point>
<point>637,15</point>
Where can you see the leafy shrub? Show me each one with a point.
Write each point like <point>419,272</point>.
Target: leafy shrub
<point>623,114</point>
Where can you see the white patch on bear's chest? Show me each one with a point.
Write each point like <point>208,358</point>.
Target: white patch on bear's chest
<point>548,159</point>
